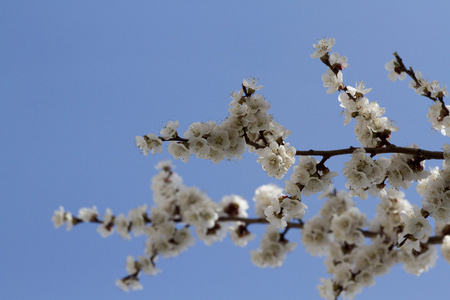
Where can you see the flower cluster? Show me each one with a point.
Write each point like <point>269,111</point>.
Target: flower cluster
<point>367,175</point>
<point>389,213</point>
<point>403,169</point>
<point>333,78</point>
<point>404,227</point>
<point>438,113</point>
<point>364,174</point>
<point>163,227</point>
<point>277,208</point>
<point>133,267</point>
<point>371,129</point>
<point>248,124</point>
<point>337,233</point>
<point>274,248</point>
<point>346,227</point>
<point>355,267</point>
<point>435,191</point>
<point>276,159</point>
<point>339,221</point>
<point>309,177</point>
<point>283,209</point>
<point>264,195</point>
<point>416,229</point>
<point>445,248</point>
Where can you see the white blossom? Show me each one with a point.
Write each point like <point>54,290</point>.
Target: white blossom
<point>129,283</point>
<point>251,85</point>
<point>142,144</point>
<point>363,173</point>
<point>418,264</point>
<point>439,118</point>
<point>216,155</point>
<point>107,227</point>
<point>439,92</point>
<point>234,206</point>
<point>121,284</point>
<point>131,265</point>
<point>393,67</point>
<point>322,47</point>
<point>199,147</point>
<point>218,139</point>
<point>122,225</point>
<point>148,266</point>
<point>346,227</point>
<point>435,197</point>
<point>179,151</point>
<point>337,61</point>
<point>333,82</point>
<point>149,142</point>
<point>389,212</point>
<point>326,289</point>
<point>200,215</point>
<point>338,203</point>
<point>359,91</point>
<point>293,208</point>
<point>416,229</point>
<point>256,103</point>
<point>276,159</point>
<point>315,236</point>
<point>423,86</point>
<point>88,214</point>
<point>211,235</point>
<point>445,248</point>
<point>273,251</point>
<point>263,197</point>
<point>197,130</point>
<point>137,217</point>
<point>60,217</point>
<point>240,235</point>
<point>183,239</point>
<point>170,130</point>
<point>274,215</point>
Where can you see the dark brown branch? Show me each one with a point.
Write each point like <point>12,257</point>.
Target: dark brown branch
<point>426,154</point>
<point>410,73</point>
<point>435,240</point>
<point>370,234</point>
<point>175,139</point>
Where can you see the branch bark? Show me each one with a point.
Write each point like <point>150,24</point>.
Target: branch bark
<point>426,154</point>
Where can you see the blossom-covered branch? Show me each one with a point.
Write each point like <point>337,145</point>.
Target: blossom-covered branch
<point>425,154</point>
<point>340,224</point>
<point>371,129</point>
<point>438,113</point>
<point>356,249</point>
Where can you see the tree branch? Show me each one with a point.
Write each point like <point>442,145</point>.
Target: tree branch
<point>426,154</point>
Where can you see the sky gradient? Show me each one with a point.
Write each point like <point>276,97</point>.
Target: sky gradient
<point>80,79</point>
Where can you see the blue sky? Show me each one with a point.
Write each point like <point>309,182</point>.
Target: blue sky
<point>80,79</point>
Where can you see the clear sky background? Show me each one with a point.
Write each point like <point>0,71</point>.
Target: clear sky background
<point>80,79</point>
